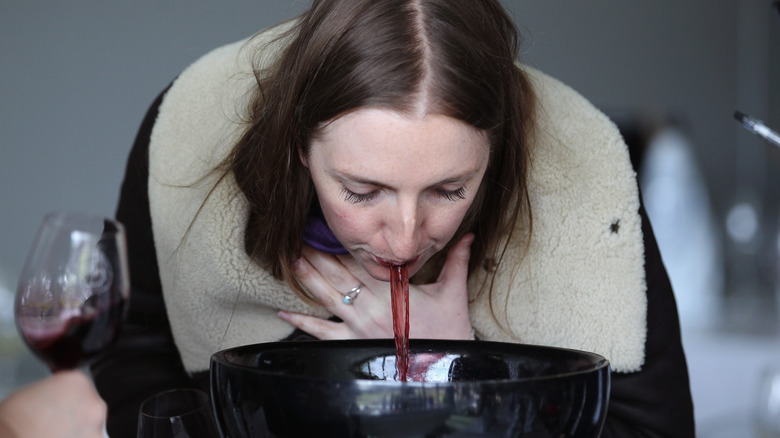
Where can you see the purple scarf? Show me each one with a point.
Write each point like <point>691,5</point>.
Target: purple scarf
<point>319,236</point>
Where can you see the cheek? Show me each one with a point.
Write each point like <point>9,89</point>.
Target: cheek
<point>443,223</point>
<point>347,223</point>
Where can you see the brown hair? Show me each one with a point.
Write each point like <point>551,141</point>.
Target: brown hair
<point>457,57</point>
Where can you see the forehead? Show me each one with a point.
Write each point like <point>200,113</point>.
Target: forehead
<point>381,140</point>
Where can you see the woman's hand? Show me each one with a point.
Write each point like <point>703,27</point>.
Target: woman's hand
<point>64,405</point>
<point>436,311</point>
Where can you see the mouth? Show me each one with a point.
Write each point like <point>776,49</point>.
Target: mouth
<point>390,263</point>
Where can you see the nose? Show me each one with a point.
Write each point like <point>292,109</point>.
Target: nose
<point>401,231</point>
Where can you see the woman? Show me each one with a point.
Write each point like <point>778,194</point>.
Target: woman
<point>287,172</point>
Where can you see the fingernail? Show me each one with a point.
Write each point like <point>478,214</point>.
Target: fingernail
<point>284,315</point>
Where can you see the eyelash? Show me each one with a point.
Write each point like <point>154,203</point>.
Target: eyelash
<point>357,198</point>
<point>452,195</point>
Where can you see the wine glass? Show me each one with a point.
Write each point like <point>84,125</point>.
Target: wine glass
<point>177,413</point>
<point>74,288</point>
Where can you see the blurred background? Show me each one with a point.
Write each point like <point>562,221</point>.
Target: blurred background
<point>78,75</point>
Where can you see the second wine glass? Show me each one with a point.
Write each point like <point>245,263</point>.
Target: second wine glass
<point>177,413</point>
<point>74,288</point>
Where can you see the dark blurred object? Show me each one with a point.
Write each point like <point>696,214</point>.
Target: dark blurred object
<point>461,389</point>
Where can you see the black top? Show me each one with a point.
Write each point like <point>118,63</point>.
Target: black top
<point>654,402</point>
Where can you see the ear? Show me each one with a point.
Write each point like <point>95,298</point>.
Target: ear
<point>302,157</point>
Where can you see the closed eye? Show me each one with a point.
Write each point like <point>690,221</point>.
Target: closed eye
<point>357,198</point>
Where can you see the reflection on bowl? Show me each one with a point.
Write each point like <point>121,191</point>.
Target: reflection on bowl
<point>460,389</point>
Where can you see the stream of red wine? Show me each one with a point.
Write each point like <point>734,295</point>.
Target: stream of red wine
<point>399,286</point>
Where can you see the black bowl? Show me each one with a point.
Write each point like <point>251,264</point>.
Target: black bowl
<point>349,389</point>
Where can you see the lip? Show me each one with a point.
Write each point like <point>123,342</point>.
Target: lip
<point>388,263</point>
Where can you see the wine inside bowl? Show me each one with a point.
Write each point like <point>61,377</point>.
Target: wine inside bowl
<point>73,291</point>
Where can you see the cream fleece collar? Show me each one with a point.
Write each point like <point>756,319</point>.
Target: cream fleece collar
<point>579,285</point>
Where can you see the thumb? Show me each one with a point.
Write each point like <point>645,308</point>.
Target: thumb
<point>456,267</point>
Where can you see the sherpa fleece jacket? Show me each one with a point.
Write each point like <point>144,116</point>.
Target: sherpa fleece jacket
<point>590,279</point>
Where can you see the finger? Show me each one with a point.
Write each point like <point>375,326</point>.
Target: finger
<point>319,286</point>
<point>372,285</point>
<point>456,267</point>
<point>317,327</point>
<point>331,269</point>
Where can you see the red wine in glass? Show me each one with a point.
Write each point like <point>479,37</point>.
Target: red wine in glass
<point>74,288</point>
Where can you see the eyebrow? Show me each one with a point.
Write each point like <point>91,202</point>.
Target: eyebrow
<point>359,180</point>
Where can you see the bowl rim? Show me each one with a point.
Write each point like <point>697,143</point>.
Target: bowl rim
<point>599,362</point>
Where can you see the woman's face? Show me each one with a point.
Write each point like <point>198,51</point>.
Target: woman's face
<point>393,187</point>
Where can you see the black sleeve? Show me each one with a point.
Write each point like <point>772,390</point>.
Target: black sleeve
<point>144,359</point>
<point>656,401</point>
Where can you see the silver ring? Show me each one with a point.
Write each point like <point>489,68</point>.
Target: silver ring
<point>350,296</point>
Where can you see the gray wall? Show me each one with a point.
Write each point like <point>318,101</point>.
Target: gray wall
<point>77,77</point>
<point>75,82</point>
